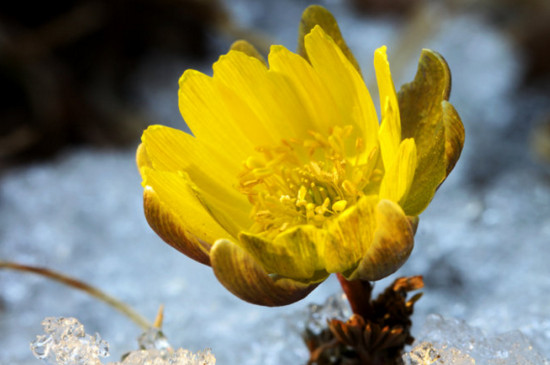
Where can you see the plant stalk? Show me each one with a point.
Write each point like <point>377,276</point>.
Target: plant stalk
<point>117,304</point>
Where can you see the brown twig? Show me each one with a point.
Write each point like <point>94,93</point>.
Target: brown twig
<point>120,306</point>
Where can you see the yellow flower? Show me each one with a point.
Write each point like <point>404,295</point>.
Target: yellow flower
<point>289,176</point>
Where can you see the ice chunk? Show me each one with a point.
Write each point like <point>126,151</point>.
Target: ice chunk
<point>66,343</point>
<point>453,342</point>
<point>153,338</point>
<point>165,357</point>
<point>335,307</point>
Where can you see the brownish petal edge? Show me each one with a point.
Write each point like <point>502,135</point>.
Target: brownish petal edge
<point>166,225</point>
<point>414,221</point>
<point>454,135</point>
<point>247,48</point>
<point>392,244</point>
<point>420,100</point>
<point>318,15</point>
<point>245,278</point>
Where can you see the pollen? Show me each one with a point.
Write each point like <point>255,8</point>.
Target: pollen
<point>308,181</point>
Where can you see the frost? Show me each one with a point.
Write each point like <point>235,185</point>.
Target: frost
<point>66,343</point>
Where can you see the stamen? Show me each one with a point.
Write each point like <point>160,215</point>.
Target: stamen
<point>339,206</point>
<point>349,187</point>
<point>307,181</point>
<point>253,162</point>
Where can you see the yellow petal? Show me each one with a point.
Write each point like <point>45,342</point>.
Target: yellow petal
<point>391,246</point>
<point>398,177</point>
<point>142,159</point>
<point>177,216</point>
<point>225,204</point>
<point>292,254</point>
<point>205,111</point>
<point>389,134</point>
<point>390,128</point>
<point>170,149</point>
<point>314,94</point>
<point>384,80</point>
<point>318,15</point>
<point>248,49</point>
<point>350,235</point>
<point>213,176</point>
<point>245,278</point>
<point>272,98</point>
<point>348,90</point>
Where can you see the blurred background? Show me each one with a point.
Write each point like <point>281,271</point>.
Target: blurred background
<point>80,80</point>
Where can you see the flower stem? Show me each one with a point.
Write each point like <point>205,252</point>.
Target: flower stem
<point>358,293</point>
<point>122,307</point>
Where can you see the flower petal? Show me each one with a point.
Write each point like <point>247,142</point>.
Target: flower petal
<point>205,109</point>
<point>295,253</point>
<point>177,216</point>
<point>390,128</point>
<point>245,278</point>
<point>142,158</point>
<point>314,94</point>
<point>317,15</point>
<point>397,180</point>
<point>350,235</point>
<point>384,80</point>
<point>420,104</point>
<point>389,134</point>
<point>392,244</point>
<point>348,89</point>
<point>270,96</point>
<point>171,149</point>
<point>213,176</point>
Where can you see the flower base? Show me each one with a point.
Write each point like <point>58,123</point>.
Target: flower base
<point>377,331</point>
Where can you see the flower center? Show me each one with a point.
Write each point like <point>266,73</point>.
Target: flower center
<point>308,181</point>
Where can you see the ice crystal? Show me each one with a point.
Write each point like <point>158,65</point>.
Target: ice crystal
<point>66,343</point>
<point>453,342</point>
<point>153,338</point>
<point>165,357</point>
<point>335,307</point>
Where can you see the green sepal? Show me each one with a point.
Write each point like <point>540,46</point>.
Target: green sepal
<point>294,253</point>
<point>424,111</point>
<point>239,272</point>
<point>391,245</point>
